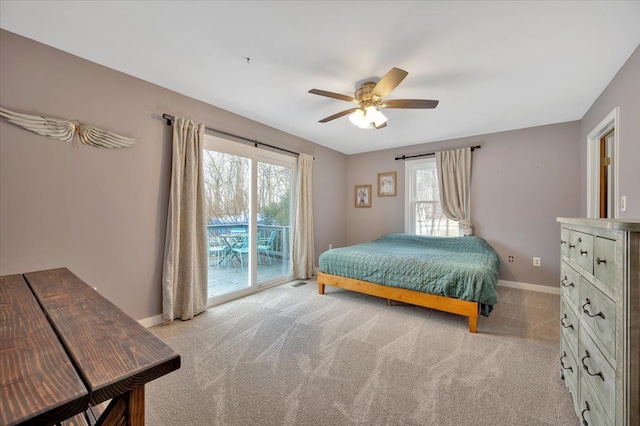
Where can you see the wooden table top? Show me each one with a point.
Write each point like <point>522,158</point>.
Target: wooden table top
<point>111,352</point>
<point>37,379</point>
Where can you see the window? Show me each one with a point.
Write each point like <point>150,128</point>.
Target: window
<point>423,212</point>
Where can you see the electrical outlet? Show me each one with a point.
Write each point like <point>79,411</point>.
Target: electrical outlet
<point>536,261</point>
<point>330,246</point>
<point>510,259</point>
<point>623,203</point>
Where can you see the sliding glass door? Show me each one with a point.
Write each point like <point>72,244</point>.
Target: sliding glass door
<point>273,221</point>
<point>248,193</point>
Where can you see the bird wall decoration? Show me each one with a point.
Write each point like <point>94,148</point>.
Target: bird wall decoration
<point>66,130</point>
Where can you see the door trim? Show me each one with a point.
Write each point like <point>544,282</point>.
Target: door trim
<point>610,122</point>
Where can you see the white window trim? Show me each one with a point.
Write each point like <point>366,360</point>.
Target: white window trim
<point>409,210</point>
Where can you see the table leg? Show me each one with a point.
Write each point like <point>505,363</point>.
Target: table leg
<point>126,409</point>
<point>136,406</point>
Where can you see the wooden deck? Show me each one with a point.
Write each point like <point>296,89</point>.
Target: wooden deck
<point>224,279</point>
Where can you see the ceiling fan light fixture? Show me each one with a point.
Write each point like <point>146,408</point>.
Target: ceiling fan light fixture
<point>367,118</point>
<point>370,112</point>
<point>357,117</point>
<point>380,119</point>
<point>375,116</point>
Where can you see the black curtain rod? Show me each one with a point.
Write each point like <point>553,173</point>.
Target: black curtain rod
<point>171,118</point>
<point>406,157</point>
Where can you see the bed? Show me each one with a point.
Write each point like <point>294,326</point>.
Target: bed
<point>451,274</point>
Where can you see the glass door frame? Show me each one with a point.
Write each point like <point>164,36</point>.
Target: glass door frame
<point>254,155</point>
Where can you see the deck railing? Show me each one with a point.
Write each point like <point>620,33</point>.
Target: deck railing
<point>280,244</point>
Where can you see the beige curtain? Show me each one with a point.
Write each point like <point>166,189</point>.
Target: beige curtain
<point>454,180</point>
<point>303,256</point>
<point>184,275</point>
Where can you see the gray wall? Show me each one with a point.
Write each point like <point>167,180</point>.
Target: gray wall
<point>99,212</point>
<point>521,180</point>
<point>102,213</point>
<point>623,92</point>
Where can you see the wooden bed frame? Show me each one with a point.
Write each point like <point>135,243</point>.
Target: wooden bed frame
<point>441,303</point>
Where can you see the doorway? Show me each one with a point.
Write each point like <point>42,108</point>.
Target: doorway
<point>602,169</point>
<point>248,211</point>
<point>605,176</point>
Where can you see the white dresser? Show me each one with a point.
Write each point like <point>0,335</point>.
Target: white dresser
<point>600,319</point>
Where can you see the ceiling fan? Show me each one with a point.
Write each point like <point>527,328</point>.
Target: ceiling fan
<point>370,98</point>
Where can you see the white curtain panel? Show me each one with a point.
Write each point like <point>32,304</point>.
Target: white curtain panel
<point>184,275</point>
<point>303,255</point>
<point>454,180</point>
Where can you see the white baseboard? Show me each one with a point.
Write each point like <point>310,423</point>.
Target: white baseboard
<point>151,321</point>
<point>530,287</point>
<point>211,302</point>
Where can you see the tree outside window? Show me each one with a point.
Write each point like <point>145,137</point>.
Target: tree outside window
<point>423,204</point>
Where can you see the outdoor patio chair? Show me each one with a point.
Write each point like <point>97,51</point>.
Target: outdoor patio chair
<point>241,249</point>
<point>218,250</point>
<point>265,245</point>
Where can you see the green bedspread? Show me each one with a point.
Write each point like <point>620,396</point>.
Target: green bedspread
<point>460,267</point>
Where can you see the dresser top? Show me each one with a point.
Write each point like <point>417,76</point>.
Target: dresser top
<point>631,225</point>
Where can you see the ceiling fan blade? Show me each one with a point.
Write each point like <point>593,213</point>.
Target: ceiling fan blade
<point>389,82</point>
<point>338,115</point>
<point>382,126</point>
<point>409,103</point>
<point>332,95</point>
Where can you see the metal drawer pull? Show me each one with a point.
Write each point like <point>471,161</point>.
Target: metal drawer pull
<point>587,368</point>
<point>566,285</point>
<point>562,322</point>
<point>583,252</point>
<point>580,239</point>
<point>562,242</point>
<point>584,421</point>
<point>584,309</point>
<point>571,245</point>
<point>564,355</point>
<point>599,261</point>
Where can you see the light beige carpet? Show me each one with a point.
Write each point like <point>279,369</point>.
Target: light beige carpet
<point>288,356</point>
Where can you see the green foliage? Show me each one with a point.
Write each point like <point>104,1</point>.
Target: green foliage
<point>277,213</point>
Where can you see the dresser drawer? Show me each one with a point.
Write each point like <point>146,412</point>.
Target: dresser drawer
<point>569,369</point>
<point>569,325</point>
<point>569,280</point>
<point>604,267</point>
<point>581,250</point>
<point>590,409</point>
<point>598,373</point>
<point>599,313</point>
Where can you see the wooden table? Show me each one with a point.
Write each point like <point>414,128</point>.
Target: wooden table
<point>64,348</point>
<point>233,241</point>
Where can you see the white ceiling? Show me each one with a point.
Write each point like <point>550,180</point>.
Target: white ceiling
<point>494,66</point>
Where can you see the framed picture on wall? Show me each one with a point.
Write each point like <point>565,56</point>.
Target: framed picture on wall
<point>386,184</point>
<point>362,196</point>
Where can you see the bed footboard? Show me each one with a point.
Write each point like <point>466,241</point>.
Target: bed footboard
<point>441,303</point>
